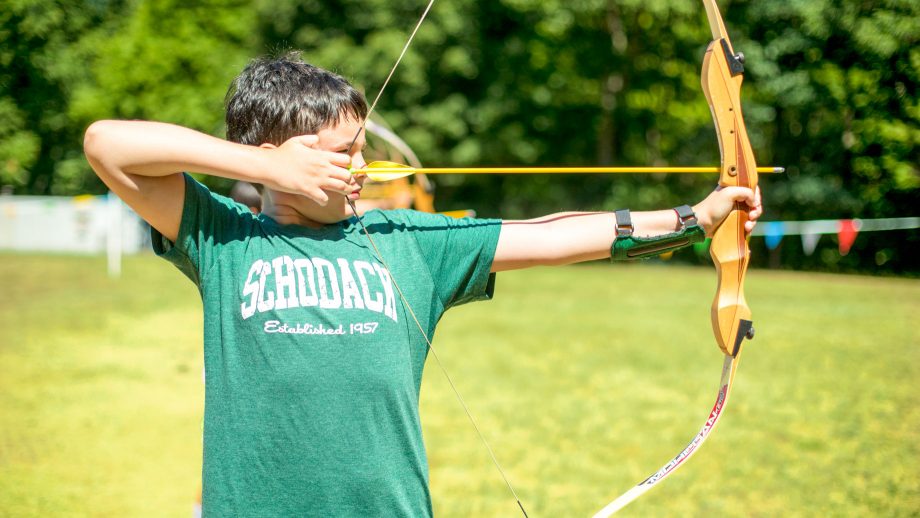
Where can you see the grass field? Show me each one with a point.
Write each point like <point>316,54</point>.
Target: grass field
<point>585,380</point>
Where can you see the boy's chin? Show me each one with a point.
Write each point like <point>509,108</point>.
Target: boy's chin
<point>336,210</point>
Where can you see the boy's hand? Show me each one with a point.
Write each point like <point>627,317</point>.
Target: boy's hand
<point>715,208</point>
<point>297,168</point>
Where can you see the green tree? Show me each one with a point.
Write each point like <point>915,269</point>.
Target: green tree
<point>526,82</point>
<point>830,93</point>
<point>844,79</point>
<point>36,136</point>
<point>69,63</point>
<point>168,60</point>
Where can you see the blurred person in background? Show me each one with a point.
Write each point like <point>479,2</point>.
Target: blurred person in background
<point>246,194</point>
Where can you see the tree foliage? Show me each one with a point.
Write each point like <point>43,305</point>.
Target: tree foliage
<point>830,92</point>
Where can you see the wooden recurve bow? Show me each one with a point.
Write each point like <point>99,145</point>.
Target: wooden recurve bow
<point>723,72</point>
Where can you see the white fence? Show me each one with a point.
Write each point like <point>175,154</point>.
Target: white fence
<point>81,224</point>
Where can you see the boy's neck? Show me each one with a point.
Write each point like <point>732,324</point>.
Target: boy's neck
<point>284,212</point>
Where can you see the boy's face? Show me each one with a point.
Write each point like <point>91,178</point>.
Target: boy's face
<point>338,140</point>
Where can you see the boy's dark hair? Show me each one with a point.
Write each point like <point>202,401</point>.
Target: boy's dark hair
<point>276,98</point>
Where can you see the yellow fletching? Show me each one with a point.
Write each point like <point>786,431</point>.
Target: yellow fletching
<point>382,171</point>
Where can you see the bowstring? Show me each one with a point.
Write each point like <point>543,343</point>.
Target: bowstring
<point>402,296</point>
<point>434,354</point>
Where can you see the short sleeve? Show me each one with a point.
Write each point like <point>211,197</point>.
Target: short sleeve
<point>209,222</point>
<point>458,254</point>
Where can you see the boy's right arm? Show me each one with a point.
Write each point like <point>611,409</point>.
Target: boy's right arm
<point>142,162</point>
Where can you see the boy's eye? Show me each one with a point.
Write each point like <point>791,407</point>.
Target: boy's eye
<point>346,150</point>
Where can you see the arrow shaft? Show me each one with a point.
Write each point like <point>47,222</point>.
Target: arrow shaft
<point>548,170</point>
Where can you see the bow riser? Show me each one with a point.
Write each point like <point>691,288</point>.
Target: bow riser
<point>731,315</point>
<point>721,80</point>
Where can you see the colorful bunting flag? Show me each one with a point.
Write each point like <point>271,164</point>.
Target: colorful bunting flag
<point>810,242</point>
<point>846,234</point>
<point>775,230</point>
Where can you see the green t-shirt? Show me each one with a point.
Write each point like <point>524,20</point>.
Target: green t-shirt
<point>313,366</point>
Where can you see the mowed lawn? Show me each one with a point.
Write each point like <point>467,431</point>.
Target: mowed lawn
<point>584,379</point>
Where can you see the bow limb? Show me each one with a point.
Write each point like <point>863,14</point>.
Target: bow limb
<point>716,26</point>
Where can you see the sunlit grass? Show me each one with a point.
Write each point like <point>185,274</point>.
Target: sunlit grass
<point>584,379</point>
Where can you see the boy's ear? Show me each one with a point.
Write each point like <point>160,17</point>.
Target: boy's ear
<point>258,186</point>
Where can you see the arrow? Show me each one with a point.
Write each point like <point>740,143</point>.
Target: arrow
<point>382,171</point>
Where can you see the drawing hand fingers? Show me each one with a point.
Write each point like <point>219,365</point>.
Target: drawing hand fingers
<point>318,195</point>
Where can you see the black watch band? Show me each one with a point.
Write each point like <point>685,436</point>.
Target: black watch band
<point>624,223</point>
<point>686,216</point>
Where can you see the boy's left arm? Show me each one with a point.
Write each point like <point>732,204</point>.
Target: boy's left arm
<point>572,237</point>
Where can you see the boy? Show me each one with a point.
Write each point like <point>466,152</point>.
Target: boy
<point>312,353</point>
